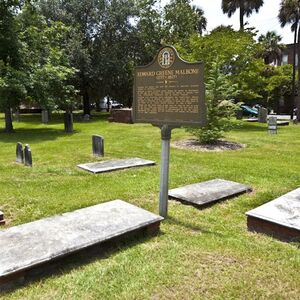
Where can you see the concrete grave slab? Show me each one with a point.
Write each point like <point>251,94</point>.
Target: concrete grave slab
<point>279,218</point>
<point>252,120</point>
<point>112,165</point>
<point>40,242</point>
<point>283,123</point>
<point>208,192</point>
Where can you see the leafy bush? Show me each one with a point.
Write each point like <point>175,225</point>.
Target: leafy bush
<point>220,107</point>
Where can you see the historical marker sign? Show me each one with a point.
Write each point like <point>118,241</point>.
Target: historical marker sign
<point>169,91</point>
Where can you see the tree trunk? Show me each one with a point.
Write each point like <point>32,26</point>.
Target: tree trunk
<point>68,121</point>
<point>86,102</point>
<point>8,121</point>
<point>298,86</point>
<point>294,71</point>
<point>242,12</point>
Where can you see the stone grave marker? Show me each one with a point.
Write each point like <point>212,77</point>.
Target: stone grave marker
<point>38,243</point>
<point>262,115</point>
<point>19,153</point>
<point>45,116</point>
<point>98,145</point>
<point>272,125</point>
<point>68,120</point>
<point>27,156</point>
<point>279,218</point>
<point>86,117</point>
<point>113,165</point>
<point>239,114</point>
<point>17,115</point>
<point>205,193</point>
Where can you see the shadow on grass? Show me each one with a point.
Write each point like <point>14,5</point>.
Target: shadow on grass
<point>192,227</point>
<point>67,263</point>
<point>33,135</point>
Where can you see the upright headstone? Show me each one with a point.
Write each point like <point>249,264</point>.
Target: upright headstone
<point>262,115</point>
<point>86,117</point>
<point>45,116</point>
<point>19,153</point>
<point>98,145</point>
<point>239,114</point>
<point>27,156</point>
<point>17,115</point>
<point>68,117</point>
<point>272,125</point>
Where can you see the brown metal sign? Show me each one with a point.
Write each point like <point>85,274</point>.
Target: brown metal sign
<point>169,91</point>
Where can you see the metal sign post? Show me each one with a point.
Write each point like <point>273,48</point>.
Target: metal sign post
<point>164,170</point>
<point>169,93</point>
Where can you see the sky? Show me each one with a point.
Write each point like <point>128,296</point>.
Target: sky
<point>265,20</point>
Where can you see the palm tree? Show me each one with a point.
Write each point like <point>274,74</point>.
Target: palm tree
<point>289,13</point>
<point>246,8</point>
<point>201,20</point>
<point>272,49</point>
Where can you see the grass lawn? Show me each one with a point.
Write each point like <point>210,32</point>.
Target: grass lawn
<point>199,254</point>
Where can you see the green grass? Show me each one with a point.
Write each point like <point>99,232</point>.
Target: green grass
<point>199,254</point>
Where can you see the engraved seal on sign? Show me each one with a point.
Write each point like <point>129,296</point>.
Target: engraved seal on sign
<point>166,57</point>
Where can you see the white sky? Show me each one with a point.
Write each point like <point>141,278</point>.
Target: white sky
<point>265,20</point>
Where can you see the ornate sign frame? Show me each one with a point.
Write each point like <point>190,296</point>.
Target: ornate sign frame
<point>169,91</point>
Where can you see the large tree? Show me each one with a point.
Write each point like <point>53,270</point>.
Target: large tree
<point>289,13</point>
<point>238,60</point>
<point>182,20</point>
<point>12,88</point>
<point>246,7</point>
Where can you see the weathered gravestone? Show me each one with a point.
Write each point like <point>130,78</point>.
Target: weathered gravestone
<point>169,93</point>
<point>45,116</point>
<point>279,218</point>
<point>272,125</point>
<point>98,145</point>
<point>206,193</point>
<point>36,244</point>
<point>17,115</point>
<point>86,117</point>
<point>117,164</point>
<point>19,153</point>
<point>262,115</point>
<point>2,221</point>
<point>239,114</point>
<point>27,156</point>
<point>68,118</point>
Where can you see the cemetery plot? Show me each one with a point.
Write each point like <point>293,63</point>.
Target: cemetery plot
<point>112,165</point>
<point>279,218</point>
<point>29,245</point>
<point>208,192</point>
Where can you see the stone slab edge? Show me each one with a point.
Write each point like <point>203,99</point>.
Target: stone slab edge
<point>253,212</point>
<point>147,163</point>
<point>278,231</point>
<point>155,220</point>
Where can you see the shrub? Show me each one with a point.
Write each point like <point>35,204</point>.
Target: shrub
<point>219,104</point>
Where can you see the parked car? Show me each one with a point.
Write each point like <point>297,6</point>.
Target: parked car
<point>105,104</point>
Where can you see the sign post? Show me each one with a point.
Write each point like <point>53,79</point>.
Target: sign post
<point>169,93</point>
<point>164,169</point>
